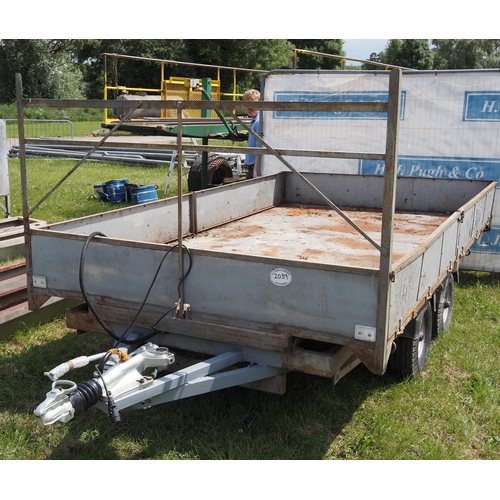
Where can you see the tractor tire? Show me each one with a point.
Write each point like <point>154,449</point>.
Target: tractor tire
<point>218,168</point>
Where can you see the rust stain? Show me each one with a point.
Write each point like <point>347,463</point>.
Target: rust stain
<point>317,234</point>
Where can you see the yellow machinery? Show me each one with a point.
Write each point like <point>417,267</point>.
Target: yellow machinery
<point>173,88</point>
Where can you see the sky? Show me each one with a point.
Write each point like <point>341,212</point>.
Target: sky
<point>361,48</point>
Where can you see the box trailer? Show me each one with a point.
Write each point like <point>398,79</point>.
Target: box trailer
<point>307,271</point>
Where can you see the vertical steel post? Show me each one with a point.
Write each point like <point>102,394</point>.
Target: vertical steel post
<point>204,165</point>
<point>206,84</point>
<point>163,90</point>
<point>24,191</point>
<point>179,206</point>
<point>388,208</point>
<point>4,168</point>
<point>22,157</point>
<point>116,76</point>
<point>105,92</point>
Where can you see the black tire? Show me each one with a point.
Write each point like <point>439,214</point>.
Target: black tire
<point>444,306</point>
<point>218,168</point>
<point>412,348</point>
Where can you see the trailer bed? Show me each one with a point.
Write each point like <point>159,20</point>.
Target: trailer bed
<point>317,234</point>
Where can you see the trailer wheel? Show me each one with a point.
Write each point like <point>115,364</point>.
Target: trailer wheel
<point>218,168</point>
<point>412,348</point>
<point>444,306</point>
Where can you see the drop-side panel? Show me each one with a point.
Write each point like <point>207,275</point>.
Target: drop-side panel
<point>273,294</point>
<point>223,204</point>
<point>420,271</point>
<point>289,294</point>
<point>476,214</point>
<point>417,275</point>
<point>366,191</point>
<point>152,222</point>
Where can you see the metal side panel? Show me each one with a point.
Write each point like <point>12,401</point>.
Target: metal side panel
<point>154,222</point>
<point>404,290</point>
<point>449,247</point>
<point>343,189</point>
<point>438,255</point>
<point>431,267</point>
<point>223,204</point>
<point>418,275</point>
<point>318,298</point>
<point>483,254</point>
<point>224,288</point>
<point>476,215</point>
<point>437,195</point>
<point>466,231</point>
<point>112,268</point>
<point>413,194</point>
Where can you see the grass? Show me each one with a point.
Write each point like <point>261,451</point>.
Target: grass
<point>9,111</point>
<point>451,412</point>
<point>75,198</point>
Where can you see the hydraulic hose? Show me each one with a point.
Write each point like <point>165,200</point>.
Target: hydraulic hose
<point>96,314</point>
<point>84,291</point>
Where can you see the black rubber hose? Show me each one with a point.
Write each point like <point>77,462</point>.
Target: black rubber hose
<point>96,314</point>
<point>84,290</point>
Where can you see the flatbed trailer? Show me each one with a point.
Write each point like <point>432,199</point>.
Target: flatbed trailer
<point>258,278</point>
<point>276,276</point>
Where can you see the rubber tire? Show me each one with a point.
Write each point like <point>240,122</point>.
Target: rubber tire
<point>412,349</point>
<point>218,168</point>
<point>444,306</point>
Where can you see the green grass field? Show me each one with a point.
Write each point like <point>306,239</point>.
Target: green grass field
<point>451,412</point>
<point>75,197</point>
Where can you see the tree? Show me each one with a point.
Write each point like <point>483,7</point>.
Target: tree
<point>147,73</point>
<point>46,72</point>
<point>33,60</point>
<point>240,53</point>
<point>88,54</point>
<point>408,53</point>
<point>416,54</point>
<point>69,78</point>
<point>466,53</point>
<point>375,58</point>
<point>307,61</point>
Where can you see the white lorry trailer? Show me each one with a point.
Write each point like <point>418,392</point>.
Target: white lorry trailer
<point>298,270</point>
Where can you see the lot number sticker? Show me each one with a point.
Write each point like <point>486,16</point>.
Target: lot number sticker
<point>281,276</point>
